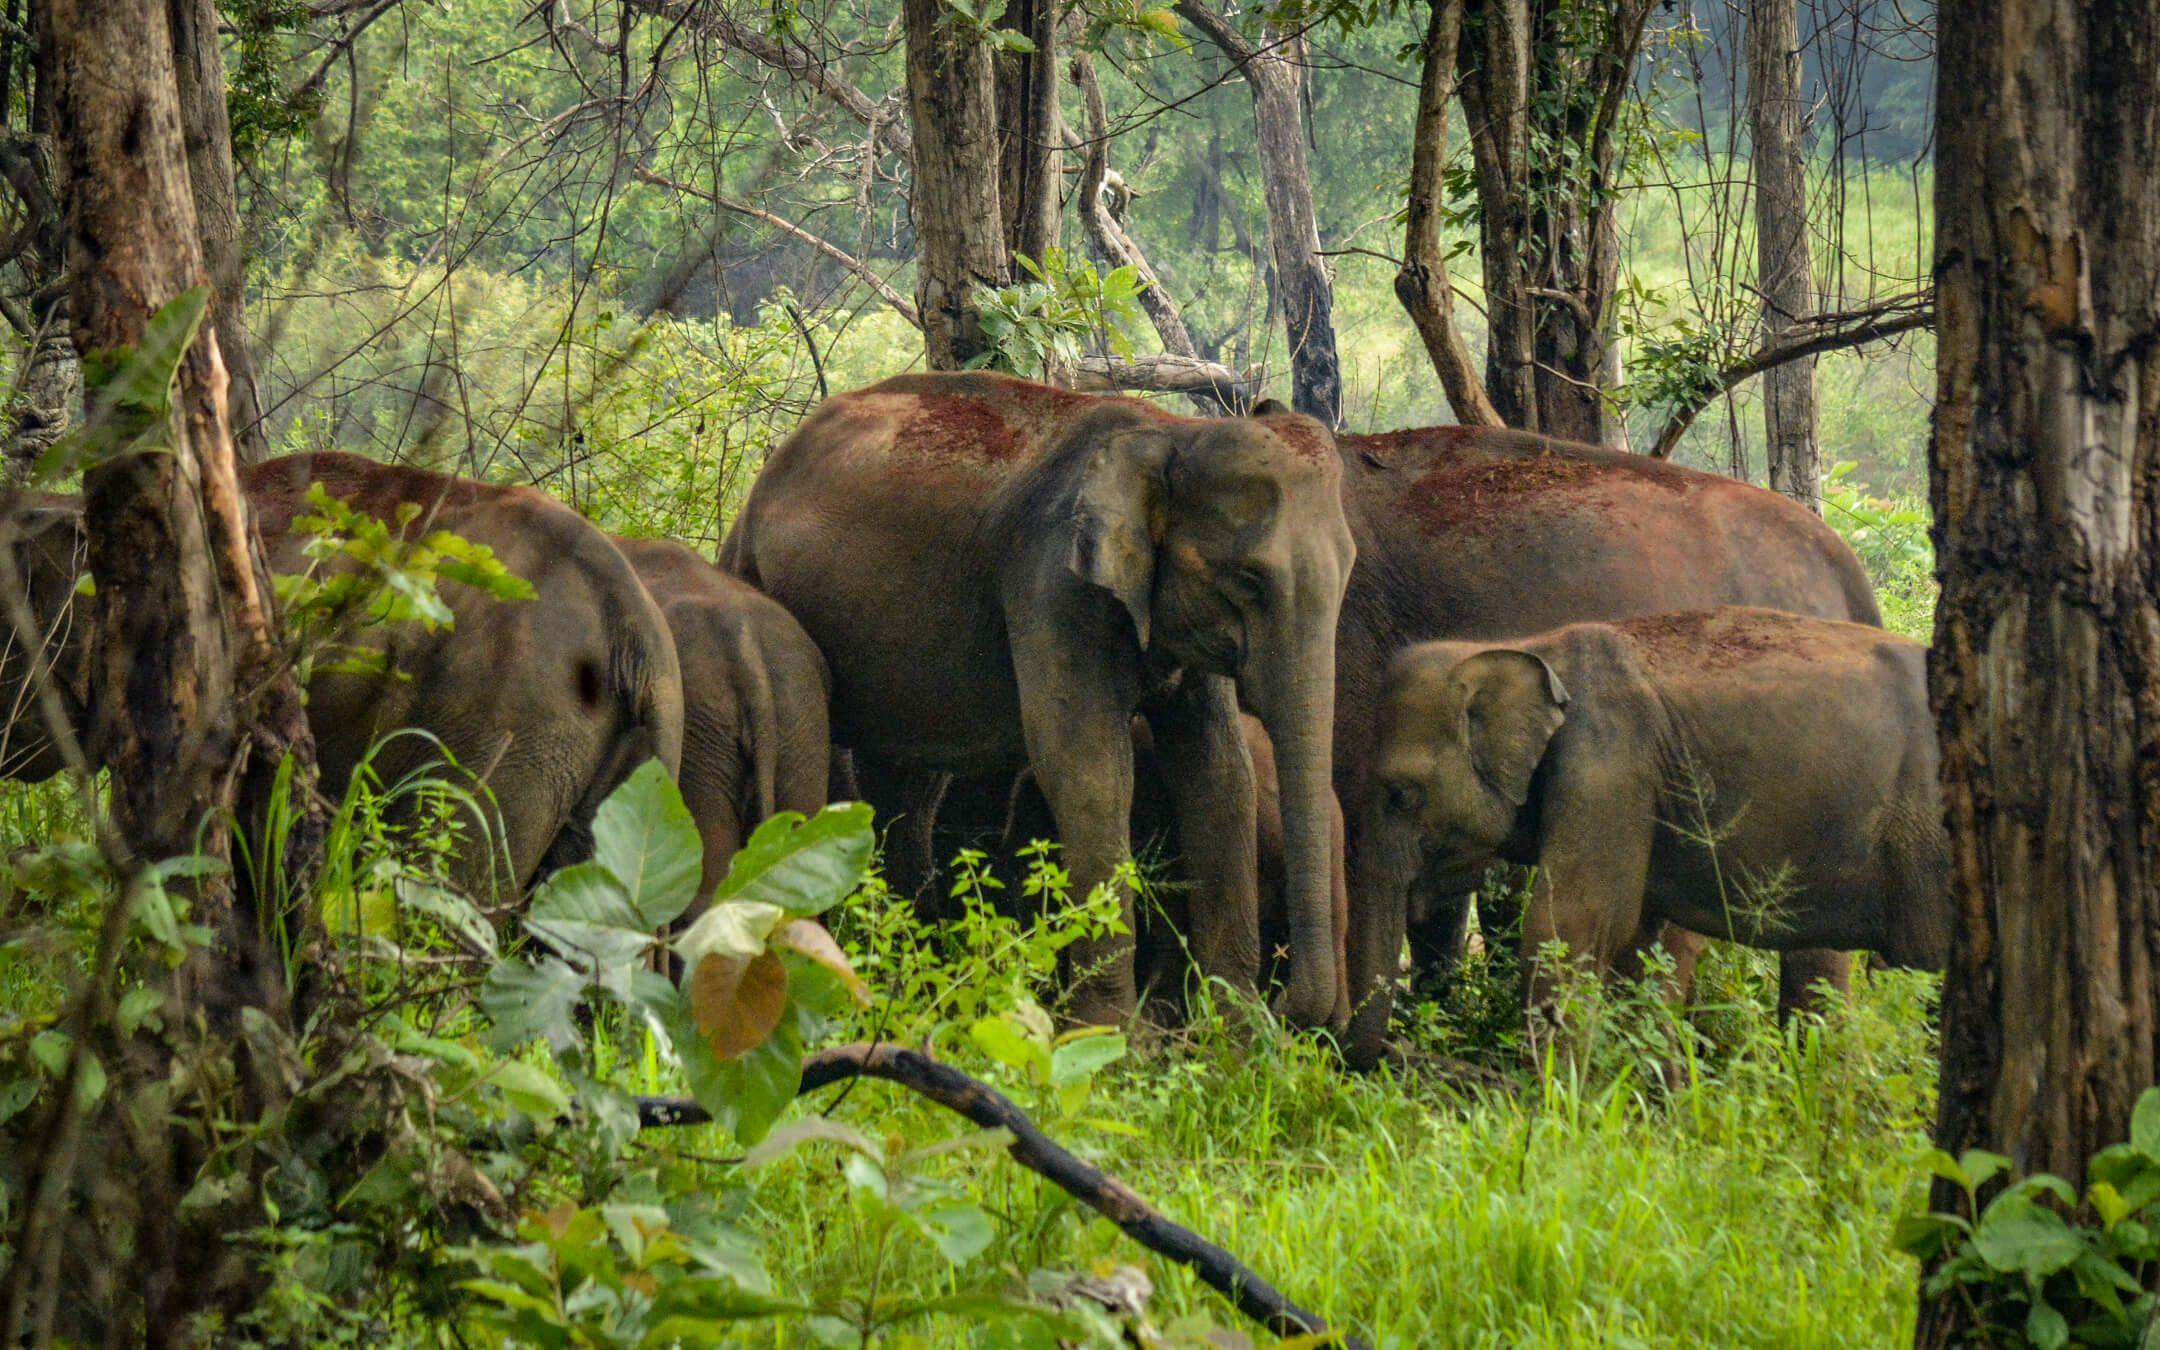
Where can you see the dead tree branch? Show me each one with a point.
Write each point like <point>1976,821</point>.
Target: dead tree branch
<point>1824,333</point>
<point>1036,1151</point>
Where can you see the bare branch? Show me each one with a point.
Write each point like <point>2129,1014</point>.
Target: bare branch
<point>1824,333</point>
<point>1190,375</point>
<point>704,17</point>
<point>1110,238</point>
<point>860,269</point>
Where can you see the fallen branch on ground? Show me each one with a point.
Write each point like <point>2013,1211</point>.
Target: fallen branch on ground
<point>1036,1151</point>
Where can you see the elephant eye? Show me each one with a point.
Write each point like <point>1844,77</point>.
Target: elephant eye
<point>1251,581</point>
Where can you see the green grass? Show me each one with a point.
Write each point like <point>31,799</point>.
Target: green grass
<point>1751,1206</point>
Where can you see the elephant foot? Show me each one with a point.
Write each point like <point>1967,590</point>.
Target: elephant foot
<point>1310,1003</point>
<point>1088,1008</point>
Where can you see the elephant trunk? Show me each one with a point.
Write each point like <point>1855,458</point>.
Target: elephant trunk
<point>1387,863</point>
<point>1300,719</point>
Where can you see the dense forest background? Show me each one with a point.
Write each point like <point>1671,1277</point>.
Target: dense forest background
<point>617,249</point>
<point>478,231</point>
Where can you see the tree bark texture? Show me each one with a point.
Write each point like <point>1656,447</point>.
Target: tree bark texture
<point>1786,274</point>
<point>199,65</point>
<point>956,203</point>
<point>2045,483</point>
<point>1030,139</point>
<point>186,618</point>
<point>1305,289</point>
<point>1543,83</point>
<point>1422,285</point>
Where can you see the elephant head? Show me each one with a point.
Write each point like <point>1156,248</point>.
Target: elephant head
<point>1461,739</point>
<point>1226,543</point>
<point>44,542</point>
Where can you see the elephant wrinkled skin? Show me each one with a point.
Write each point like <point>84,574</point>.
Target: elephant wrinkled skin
<point>1001,573</point>
<point>1475,533</point>
<point>1739,772</point>
<point>755,740</point>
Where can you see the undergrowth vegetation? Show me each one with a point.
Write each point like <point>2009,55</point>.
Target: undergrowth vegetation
<point>1688,1178</point>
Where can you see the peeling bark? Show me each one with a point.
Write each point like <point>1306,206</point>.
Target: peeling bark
<point>2045,483</point>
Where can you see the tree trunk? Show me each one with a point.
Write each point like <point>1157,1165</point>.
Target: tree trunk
<point>1422,285</point>
<point>1305,288</point>
<point>1549,238</point>
<point>1030,139</point>
<point>207,130</point>
<point>1787,278</point>
<point>1495,86</point>
<point>2046,669</point>
<point>955,201</point>
<point>186,619</point>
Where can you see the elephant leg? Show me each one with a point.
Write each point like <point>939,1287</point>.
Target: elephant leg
<point>1077,718</point>
<point>1588,895</point>
<point>1684,947</point>
<point>1800,973</point>
<point>1208,773</point>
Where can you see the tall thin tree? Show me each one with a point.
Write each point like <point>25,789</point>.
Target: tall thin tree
<point>1786,278</point>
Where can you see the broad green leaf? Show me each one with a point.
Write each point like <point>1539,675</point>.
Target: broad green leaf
<point>531,1090</point>
<point>958,1229</point>
<point>1005,1043</point>
<point>1978,1166</point>
<point>644,835</point>
<point>588,893</point>
<point>2145,1124</point>
<point>803,866</point>
<point>528,1001</point>
<point>1925,1235</point>
<point>2017,1234</point>
<point>1078,1059</point>
<point>2045,1327</point>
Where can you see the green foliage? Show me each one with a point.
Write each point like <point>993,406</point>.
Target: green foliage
<point>2032,1272</point>
<point>1038,325</point>
<point>264,108</point>
<point>756,986</point>
<point>127,392</point>
<point>365,574</point>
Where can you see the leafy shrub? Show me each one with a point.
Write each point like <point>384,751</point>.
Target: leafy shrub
<point>2037,1274</point>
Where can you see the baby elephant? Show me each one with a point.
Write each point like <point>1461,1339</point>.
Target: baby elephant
<point>1739,772</point>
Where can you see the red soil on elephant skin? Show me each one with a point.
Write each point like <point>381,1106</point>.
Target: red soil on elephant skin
<point>1305,437</point>
<point>1711,639</point>
<point>277,488</point>
<point>1466,492</point>
<point>955,427</point>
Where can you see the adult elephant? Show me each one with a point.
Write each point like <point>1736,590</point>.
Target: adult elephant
<point>755,736</point>
<point>1473,533</point>
<point>1002,573</point>
<point>550,702</point>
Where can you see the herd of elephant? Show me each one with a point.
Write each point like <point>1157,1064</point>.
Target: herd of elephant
<point>1338,675</point>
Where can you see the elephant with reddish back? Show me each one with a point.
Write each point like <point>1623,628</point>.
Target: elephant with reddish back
<point>1001,574</point>
<point>1474,533</point>
<point>1756,775</point>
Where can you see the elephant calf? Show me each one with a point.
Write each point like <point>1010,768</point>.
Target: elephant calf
<point>1738,772</point>
<point>755,736</point>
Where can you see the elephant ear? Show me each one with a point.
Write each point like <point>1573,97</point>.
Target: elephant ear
<point>1513,703</point>
<point>1119,519</point>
